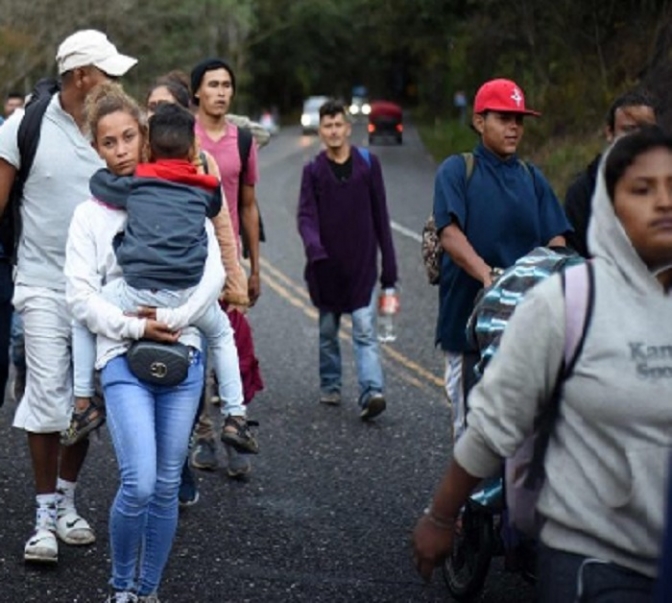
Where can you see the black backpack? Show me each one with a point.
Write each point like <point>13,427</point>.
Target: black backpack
<point>28,137</point>
<point>244,147</point>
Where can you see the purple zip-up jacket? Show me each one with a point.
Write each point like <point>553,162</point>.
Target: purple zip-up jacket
<point>343,224</point>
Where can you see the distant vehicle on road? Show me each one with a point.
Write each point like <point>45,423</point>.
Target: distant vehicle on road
<point>359,106</point>
<point>269,123</point>
<point>385,120</point>
<point>310,116</point>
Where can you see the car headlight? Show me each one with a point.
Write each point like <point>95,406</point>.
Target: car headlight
<point>305,120</point>
<point>366,108</point>
<point>354,109</point>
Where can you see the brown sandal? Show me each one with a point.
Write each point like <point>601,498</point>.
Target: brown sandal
<point>83,423</point>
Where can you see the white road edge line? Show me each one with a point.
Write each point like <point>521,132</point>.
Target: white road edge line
<point>406,231</point>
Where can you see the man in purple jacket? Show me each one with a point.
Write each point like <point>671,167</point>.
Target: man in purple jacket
<point>343,220</point>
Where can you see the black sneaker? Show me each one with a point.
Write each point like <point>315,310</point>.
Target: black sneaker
<point>238,465</point>
<point>122,597</point>
<point>330,398</point>
<point>204,455</point>
<point>372,406</point>
<point>240,437</point>
<point>188,492</point>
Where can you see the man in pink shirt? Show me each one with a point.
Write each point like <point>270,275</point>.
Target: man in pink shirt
<point>213,87</point>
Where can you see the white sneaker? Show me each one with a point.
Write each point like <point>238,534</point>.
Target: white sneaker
<point>122,597</point>
<point>42,547</point>
<point>72,528</point>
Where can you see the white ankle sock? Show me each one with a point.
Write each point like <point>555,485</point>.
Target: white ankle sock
<point>66,495</point>
<point>46,511</point>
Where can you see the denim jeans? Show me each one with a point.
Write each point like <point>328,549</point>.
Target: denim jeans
<point>367,351</point>
<point>569,578</point>
<point>150,428</point>
<point>214,324</point>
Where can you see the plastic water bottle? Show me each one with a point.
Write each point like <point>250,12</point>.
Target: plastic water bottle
<point>388,307</point>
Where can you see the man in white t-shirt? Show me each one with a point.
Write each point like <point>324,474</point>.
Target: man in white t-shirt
<point>57,182</point>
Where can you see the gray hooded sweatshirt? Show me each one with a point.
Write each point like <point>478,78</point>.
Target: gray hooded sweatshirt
<point>607,461</point>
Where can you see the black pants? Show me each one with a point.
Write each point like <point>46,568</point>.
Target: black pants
<point>6,292</point>
<point>568,578</point>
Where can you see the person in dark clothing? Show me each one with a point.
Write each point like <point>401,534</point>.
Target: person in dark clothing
<point>343,221</point>
<point>627,113</point>
<point>487,220</point>
<point>664,584</point>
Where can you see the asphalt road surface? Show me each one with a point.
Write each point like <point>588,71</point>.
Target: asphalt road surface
<point>327,513</point>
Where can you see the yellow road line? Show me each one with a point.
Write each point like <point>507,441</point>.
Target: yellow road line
<point>271,275</point>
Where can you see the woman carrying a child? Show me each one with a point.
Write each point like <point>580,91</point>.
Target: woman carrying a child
<point>149,424</point>
<point>606,465</point>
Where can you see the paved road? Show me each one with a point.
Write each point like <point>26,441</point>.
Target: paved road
<point>327,513</point>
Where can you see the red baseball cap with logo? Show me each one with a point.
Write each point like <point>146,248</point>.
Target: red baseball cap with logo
<point>504,96</point>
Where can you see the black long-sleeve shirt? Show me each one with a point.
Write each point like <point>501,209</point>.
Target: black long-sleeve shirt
<point>578,207</point>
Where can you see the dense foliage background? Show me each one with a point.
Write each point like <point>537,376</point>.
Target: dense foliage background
<point>571,56</point>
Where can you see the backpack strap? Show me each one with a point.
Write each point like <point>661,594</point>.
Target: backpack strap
<point>28,136</point>
<point>469,162</point>
<point>578,287</point>
<point>364,152</point>
<point>579,293</point>
<point>27,141</point>
<point>244,148</point>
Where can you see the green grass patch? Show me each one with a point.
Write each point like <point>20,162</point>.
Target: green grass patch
<point>562,159</point>
<point>443,137</point>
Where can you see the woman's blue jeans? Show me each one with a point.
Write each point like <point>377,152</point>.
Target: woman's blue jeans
<point>150,428</point>
<point>367,351</point>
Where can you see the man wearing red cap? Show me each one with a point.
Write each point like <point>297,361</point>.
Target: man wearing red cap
<point>488,214</point>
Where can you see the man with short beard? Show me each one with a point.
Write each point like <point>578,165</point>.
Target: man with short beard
<point>56,184</point>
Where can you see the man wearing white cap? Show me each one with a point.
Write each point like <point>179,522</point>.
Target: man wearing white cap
<point>57,182</point>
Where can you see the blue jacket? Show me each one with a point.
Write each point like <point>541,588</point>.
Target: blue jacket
<point>164,244</point>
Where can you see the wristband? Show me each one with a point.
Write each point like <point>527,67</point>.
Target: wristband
<point>438,522</point>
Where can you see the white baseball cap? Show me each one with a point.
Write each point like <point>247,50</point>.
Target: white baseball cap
<point>91,47</point>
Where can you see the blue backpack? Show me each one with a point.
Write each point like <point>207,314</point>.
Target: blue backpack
<point>524,471</point>
<point>494,306</point>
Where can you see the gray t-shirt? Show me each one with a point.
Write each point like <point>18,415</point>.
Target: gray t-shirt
<point>57,183</point>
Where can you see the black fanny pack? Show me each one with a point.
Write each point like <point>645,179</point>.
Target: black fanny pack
<point>159,363</point>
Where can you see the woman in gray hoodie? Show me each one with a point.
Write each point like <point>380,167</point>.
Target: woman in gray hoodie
<point>606,465</point>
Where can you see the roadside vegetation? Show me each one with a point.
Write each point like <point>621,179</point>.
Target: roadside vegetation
<point>572,57</point>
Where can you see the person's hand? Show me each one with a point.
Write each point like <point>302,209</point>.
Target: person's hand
<point>146,312</point>
<point>253,288</point>
<point>239,308</point>
<point>158,331</point>
<point>432,543</point>
<point>486,278</point>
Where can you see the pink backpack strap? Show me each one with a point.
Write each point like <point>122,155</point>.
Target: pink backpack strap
<point>578,283</point>
<point>578,290</point>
